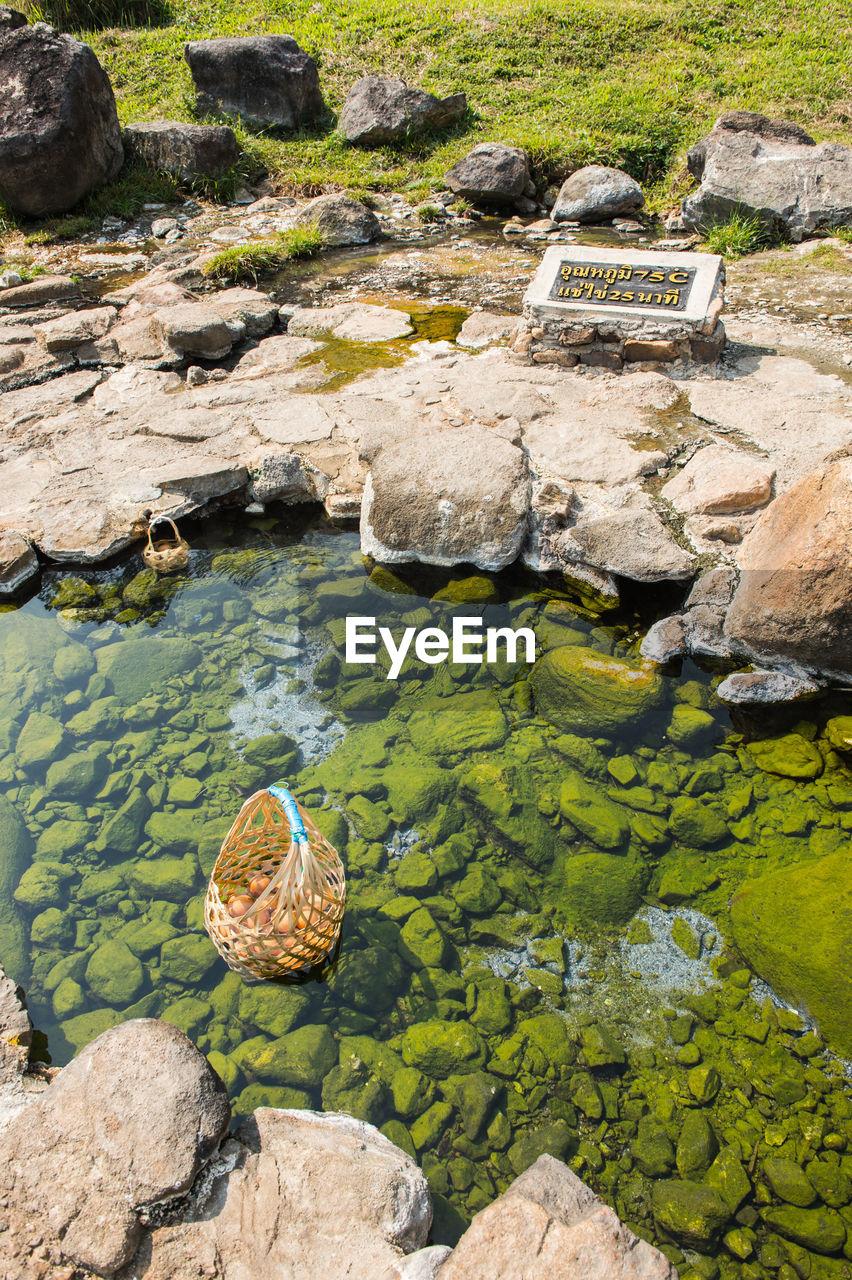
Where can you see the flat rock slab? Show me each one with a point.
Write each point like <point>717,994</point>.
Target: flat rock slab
<point>719,481</point>
<point>429,499</point>
<point>186,150</point>
<point>355,321</point>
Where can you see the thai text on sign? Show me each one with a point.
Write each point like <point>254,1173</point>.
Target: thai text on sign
<point>623,285</point>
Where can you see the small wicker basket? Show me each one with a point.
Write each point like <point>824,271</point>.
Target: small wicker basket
<point>277,894</point>
<point>166,555</point>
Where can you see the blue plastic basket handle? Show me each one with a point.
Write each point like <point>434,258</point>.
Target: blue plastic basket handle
<point>288,804</point>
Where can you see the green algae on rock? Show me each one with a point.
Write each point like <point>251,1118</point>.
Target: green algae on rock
<point>803,953</point>
<point>580,690</point>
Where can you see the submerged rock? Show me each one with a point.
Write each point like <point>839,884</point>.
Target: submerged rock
<point>17,846</point>
<point>802,953</point>
<point>581,690</point>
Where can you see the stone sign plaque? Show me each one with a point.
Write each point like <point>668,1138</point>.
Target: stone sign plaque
<point>628,280</point>
<point>616,307</point>
<point>623,284</point>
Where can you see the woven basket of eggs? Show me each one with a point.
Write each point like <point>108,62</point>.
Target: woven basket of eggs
<point>275,900</point>
<point>166,555</point>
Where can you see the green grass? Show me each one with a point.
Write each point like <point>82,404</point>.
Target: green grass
<point>736,236</point>
<point>843,233</point>
<point>431,212</point>
<point>625,82</point>
<point>262,257</point>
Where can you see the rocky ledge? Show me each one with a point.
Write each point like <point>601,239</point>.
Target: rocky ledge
<point>162,398</point>
<point>124,1166</point>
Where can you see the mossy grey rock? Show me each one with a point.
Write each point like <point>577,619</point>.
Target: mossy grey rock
<point>789,756</point>
<point>63,835</point>
<point>135,667</point>
<point>601,888</point>
<point>122,832</point>
<point>114,973</point>
<point>171,878</point>
<point>144,936</point>
<point>68,998</point>
<point>186,959</point>
<point>40,740</point>
<point>593,814</point>
<point>586,1096</point>
<point>276,752</point>
<point>548,1033</point>
<point>652,1148</point>
<point>73,664</point>
<point>412,1091</point>
<point>690,727</point>
<point>190,1014</point>
<point>704,1083</point>
<point>176,832</point>
<point>690,1211</point>
<point>803,953</point>
<point>580,690</point>
<point>79,1031</point>
<point>302,1058</point>
<point>831,1184</point>
<point>427,1129</point>
<point>601,1047</point>
<point>493,1012</point>
<point>17,852</point>
<point>838,732</point>
<point>553,1140</point>
<point>41,886</point>
<point>442,1049</point>
<point>52,928</point>
<point>350,1088</point>
<point>98,720</point>
<point>77,776</point>
<point>453,726</point>
<point>475,589</point>
<point>416,873</point>
<point>263,1095</point>
<point>697,822</point>
<point>369,980</point>
<point>727,1174</point>
<point>697,1146</point>
<point>683,876</point>
<point>423,942</point>
<point>788,1181</point>
<point>684,936</point>
<point>369,820</point>
<point>275,1010</point>
<point>507,800</point>
<point>225,1069</point>
<point>476,1095</point>
<point>820,1230</point>
<point>477,893</point>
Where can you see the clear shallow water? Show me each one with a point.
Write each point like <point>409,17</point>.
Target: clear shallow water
<point>537,949</point>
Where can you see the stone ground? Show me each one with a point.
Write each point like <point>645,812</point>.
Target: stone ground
<point>154,391</point>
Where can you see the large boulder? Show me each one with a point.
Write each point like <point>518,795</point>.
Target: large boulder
<point>263,79</point>
<point>127,1124</point>
<point>340,220</point>
<point>549,1224</point>
<point>803,953</point>
<point>597,193</point>
<point>794,598</point>
<point>492,174</point>
<point>379,109</point>
<point>301,1193</point>
<point>772,170</point>
<point>447,497</point>
<point>187,150</point>
<point>59,130</point>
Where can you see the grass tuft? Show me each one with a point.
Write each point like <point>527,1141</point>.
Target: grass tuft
<point>262,257</point>
<point>736,236</point>
<point>95,15</point>
<point>431,212</point>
